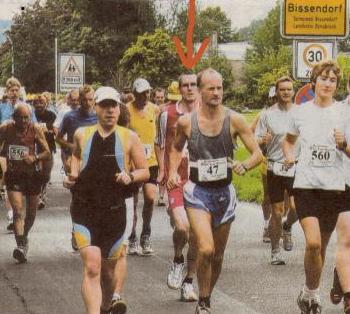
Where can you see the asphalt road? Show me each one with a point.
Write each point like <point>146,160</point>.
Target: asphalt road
<point>50,282</point>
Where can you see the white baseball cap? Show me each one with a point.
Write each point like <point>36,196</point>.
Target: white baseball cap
<point>106,92</point>
<point>141,85</point>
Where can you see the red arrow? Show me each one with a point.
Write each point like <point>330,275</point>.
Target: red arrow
<point>190,60</point>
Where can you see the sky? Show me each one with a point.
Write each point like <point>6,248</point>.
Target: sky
<point>241,12</point>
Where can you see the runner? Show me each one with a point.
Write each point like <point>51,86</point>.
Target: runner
<point>266,203</point>
<point>99,176</point>
<point>46,118</point>
<point>181,234</point>
<point>319,177</point>
<point>209,196</point>
<point>85,115</point>
<point>21,139</point>
<point>270,133</point>
<point>73,103</point>
<point>158,96</point>
<point>13,87</point>
<point>341,286</point>
<point>173,96</point>
<point>143,116</point>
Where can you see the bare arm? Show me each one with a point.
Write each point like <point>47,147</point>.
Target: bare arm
<point>175,155</point>
<point>75,161</point>
<point>63,143</point>
<point>289,149</point>
<point>138,159</point>
<point>241,127</point>
<point>44,147</point>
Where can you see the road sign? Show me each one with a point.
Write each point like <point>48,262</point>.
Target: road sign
<point>71,71</point>
<point>314,18</point>
<point>308,53</point>
<point>304,94</point>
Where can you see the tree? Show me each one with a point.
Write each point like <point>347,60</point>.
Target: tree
<point>85,26</point>
<point>269,58</point>
<point>208,21</point>
<point>154,58</point>
<point>219,63</point>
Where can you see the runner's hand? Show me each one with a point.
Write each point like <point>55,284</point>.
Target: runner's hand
<point>29,159</point>
<point>238,167</point>
<point>289,162</point>
<point>339,139</point>
<point>123,178</point>
<point>173,181</point>
<point>267,138</point>
<point>69,181</point>
<point>160,177</point>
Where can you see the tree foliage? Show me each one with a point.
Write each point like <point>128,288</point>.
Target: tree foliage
<point>153,57</point>
<point>102,29</point>
<point>269,58</point>
<point>208,21</point>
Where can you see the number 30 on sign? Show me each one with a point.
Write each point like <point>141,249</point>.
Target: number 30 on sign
<point>308,53</point>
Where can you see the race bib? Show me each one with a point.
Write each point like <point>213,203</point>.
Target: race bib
<point>279,169</point>
<point>17,152</point>
<point>322,156</point>
<point>212,169</point>
<point>148,150</point>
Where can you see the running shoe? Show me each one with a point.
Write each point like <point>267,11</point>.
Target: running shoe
<point>19,253</point>
<point>41,204</point>
<point>161,201</point>
<point>133,247</point>
<point>118,306</point>
<point>266,236</point>
<point>10,226</point>
<point>336,293</point>
<point>310,306</point>
<point>175,276</point>
<point>187,293</point>
<point>202,309</point>
<point>287,239</point>
<point>277,258</point>
<point>146,245</point>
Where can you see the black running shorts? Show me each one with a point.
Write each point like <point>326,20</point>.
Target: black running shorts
<point>27,183</point>
<point>322,204</point>
<point>345,203</point>
<point>153,171</point>
<point>101,227</point>
<point>276,185</point>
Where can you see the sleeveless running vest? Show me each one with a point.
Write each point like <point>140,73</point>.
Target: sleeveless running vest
<point>101,159</point>
<point>17,145</point>
<point>145,127</point>
<point>208,154</point>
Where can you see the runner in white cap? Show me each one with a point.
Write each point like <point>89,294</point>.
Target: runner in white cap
<point>319,177</point>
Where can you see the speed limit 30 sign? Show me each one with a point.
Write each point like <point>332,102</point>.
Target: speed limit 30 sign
<point>307,53</point>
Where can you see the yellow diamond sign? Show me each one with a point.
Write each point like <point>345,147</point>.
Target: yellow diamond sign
<point>314,18</point>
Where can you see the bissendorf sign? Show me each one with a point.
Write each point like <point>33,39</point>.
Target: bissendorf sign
<point>314,18</point>
<point>71,71</point>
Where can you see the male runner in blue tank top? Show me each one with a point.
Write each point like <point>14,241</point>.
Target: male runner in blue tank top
<point>209,196</point>
<point>101,160</point>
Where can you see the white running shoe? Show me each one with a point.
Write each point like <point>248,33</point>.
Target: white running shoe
<point>187,293</point>
<point>175,276</point>
<point>146,246</point>
<point>133,247</point>
<point>277,258</point>
<point>202,309</point>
